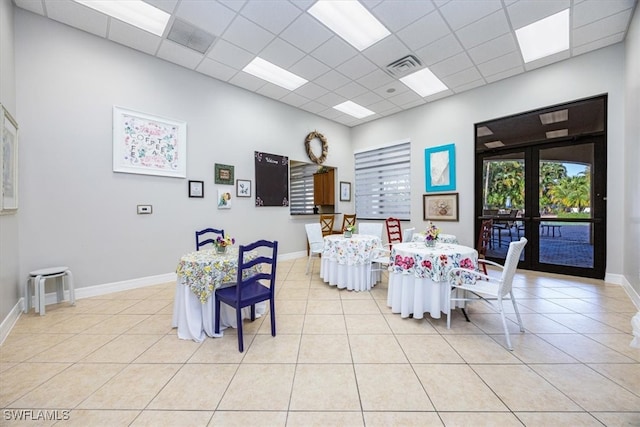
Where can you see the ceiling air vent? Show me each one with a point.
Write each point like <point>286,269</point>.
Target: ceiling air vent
<point>404,66</point>
<point>189,36</point>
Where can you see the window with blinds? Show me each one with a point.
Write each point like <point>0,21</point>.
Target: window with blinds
<point>301,188</point>
<point>383,187</point>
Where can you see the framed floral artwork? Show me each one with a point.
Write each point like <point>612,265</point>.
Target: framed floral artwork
<point>440,207</point>
<point>196,189</point>
<point>148,145</point>
<point>243,188</point>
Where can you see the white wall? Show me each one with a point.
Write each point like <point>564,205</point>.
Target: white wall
<point>9,242</point>
<point>632,155</point>
<point>451,120</point>
<point>76,211</point>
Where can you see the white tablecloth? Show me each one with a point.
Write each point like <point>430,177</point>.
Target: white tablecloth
<point>199,274</point>
<point>345,261</point>
<point>418,281</point>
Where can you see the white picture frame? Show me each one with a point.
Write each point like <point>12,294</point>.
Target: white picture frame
<point>8,163</point>
<point>345,191</point>
<point>149,145</point>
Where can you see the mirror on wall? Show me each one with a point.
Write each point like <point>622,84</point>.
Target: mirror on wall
<point>311,188</point>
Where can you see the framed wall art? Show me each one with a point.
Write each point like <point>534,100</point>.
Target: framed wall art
<point>223,174</point>
<point>345,191</point>
<point>8,162</point>
<point>148,145</point>
<point>440,168</point>
<point>243,188</point>
<point>272,179</point>
<point>224,199</point>
<point>196,189</point>
<point>440,207</point>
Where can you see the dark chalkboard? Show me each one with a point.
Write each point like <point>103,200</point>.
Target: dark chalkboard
<point>272,179</point>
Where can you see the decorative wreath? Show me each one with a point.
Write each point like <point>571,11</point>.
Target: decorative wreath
<point>325,148</point>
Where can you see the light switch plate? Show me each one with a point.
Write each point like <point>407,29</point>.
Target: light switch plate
<point>144,209</point>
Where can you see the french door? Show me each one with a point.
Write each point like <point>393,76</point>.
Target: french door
<point>554,195</point>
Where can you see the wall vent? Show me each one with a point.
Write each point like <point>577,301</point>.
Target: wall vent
<point>189,36</point>
<point>404,66</point>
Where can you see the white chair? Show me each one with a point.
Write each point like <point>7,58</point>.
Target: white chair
<point>316,241</point>
<point>490,288</point>
<point>407,234</point>
<point>38,279</point>
<point>370,229</point>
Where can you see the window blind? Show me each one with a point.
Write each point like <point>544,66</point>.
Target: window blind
<point>301,188</point>
<point>382,182</point>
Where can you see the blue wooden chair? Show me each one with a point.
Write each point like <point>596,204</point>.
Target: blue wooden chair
<point>206,236</point>
<point>248,290</point>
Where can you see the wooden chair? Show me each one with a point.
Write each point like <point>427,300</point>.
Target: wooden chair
<point>484,241</point>
<point>394,231</point>
<point>326,222</point>
<point>348,219</point>
<point>249,288</point>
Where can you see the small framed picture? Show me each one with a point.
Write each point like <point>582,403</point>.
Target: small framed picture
<point>224,199</point>
<point>440,207</point>
<point>243,188</point>
<point>223,174</point>
<point>345,191</point>
<point>196,188</point>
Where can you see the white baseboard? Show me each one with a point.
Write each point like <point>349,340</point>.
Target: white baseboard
<point>125,285</point>
<point>9,321</point>
<point>635,297</point>
<point>615,279</point>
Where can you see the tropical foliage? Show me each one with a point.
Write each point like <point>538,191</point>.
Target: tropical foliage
<point>504,187</point>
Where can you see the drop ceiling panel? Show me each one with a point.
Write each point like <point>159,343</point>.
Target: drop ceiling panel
<point>493,49</point>
<point>356,67</point>
<point>248,35</point>
<point>133,37</point>
<point>311,90</point>
<point>334,52</point>
<point>415,36</point>
<point>306,33</point>
<point>332,80</point>
<point>216,70</point>
<point>179,54</point>
<point>600,29</point>
<point>273,15</point>
<point>31,6</point>
<point>281,53</point>
<point>439,50</point>
<point>500,64</point>
<point>211,17</point>
<point>351,90</point>
<point>294,99</point>
<point>309,68</point>
<point>396,15</point>
<point>451,65</point>
<point>462,78</point>
<point>590,11</point>
<point>386,51</point>
<point>485,29</point>
<point>462,13</point>
<point>229,54</point>
<point>168,6</point>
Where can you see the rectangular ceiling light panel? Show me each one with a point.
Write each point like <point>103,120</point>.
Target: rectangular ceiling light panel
<point>424,83</point>
<point>134,12</point>
<point>353,109</point>
<point>557,133</point>
<point>265,70</point>
<point>544,37</point>
<point>554,117</point>
<point>494,144</point>
<point>351,21</point>
<point>483,131</point>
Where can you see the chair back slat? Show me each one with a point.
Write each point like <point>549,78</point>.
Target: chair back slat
<point>511,264</point>
<point>484,239</point>
<point>326,223</point>
<point>348,219</point>
<point>207,236</point>
<point>394,230</point>
<point>244,279</point>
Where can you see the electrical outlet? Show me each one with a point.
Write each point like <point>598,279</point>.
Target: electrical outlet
<point>144,209</point>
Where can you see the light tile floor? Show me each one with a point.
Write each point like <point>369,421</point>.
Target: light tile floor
<point>340,358</point>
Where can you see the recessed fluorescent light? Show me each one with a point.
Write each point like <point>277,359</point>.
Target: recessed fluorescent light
<point>424,83</point>
<point>554,117</point>
<point>544,37</point>
<point>494,144</point>
<point>272,73</point>
<point>134,12</point>
<point>483,131</point>
<point>351,21</point>
<point>353,109</point>
<point>557,133</point>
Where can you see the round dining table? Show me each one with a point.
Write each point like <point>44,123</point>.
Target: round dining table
<point>418,276</point>
<point>199,274</point>
<point>346,261</point>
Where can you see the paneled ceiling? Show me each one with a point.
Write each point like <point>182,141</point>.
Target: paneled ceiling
<point>466,43</point>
